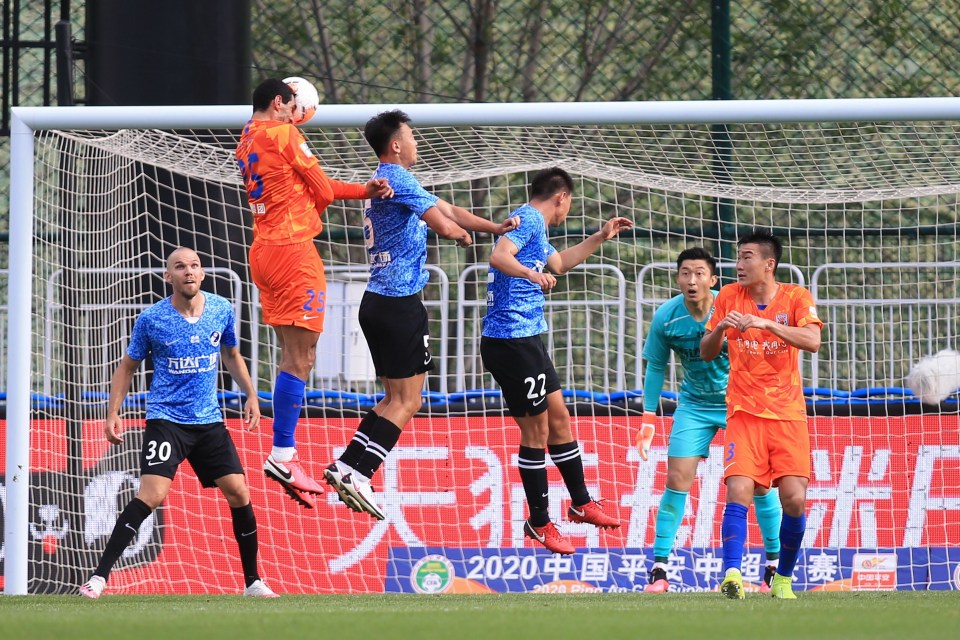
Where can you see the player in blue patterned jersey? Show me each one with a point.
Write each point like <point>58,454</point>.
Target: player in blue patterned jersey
<point>678,325</point>
<point>185,336</point>
<point>392,316</point>
<point>522,267</point>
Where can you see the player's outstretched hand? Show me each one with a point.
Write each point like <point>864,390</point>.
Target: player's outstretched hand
<point>251,413</point>
<point>648,426</point>
<point>111,429</point>
<point>511,223</point>
<point>379,188</point>
<point>615,225</point>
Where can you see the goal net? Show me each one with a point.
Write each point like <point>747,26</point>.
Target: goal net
<point>868,213</point>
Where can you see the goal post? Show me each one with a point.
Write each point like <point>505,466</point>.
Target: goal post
<point>865,189</point>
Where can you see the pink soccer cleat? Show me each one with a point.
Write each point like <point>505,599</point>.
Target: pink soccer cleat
<point>549,537</point>
<point>592,513</point>
<point>294,480</point>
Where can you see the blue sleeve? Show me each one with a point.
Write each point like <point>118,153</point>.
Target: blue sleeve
<point>656,352</point>
<point>139,346</point>
<point>229,338</point>
<point>522,235</point>
<point>409,193</point>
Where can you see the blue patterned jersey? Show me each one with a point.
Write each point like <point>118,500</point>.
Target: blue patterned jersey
<point>185,358</point>
<point>396,236</point>
<point>673,328</point>
<point>515,305</point>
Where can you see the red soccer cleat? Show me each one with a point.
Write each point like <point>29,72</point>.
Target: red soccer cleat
<point>549,537</point>
<point>768,572</point>
<point>294,480</point>
<point>657,582</point>
<point>592,513</point>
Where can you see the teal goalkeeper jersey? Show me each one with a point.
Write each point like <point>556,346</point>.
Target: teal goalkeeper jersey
<point>673,328</point>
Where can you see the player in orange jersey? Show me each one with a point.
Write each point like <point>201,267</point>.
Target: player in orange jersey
<point>288,191</point>
<point>765,324</point>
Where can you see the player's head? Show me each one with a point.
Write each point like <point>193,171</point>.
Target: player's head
<point>276,95</point>
<point>551,191</point>
<point>184,272</point>
<point>758,254</point>
<point>696,273</point>
<point>391,138</point>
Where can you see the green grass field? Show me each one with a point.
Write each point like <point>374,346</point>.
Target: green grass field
<point>899,615</point>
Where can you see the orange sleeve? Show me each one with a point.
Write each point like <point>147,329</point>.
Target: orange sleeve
<point>296,151</point>
<point>805,310</point>
<point>348,190</point>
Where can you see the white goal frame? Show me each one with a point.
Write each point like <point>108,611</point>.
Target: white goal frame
<point>26,120</point>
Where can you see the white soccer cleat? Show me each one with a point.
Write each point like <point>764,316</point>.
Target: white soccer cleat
<point>259,590</point>
<point>93,588</point>
<point>334,478</point>
<point>362,492</point>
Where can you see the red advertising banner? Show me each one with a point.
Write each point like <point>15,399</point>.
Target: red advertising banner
<point>452,482</point>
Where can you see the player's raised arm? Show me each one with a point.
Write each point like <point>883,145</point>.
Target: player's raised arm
<point>473,222</point>
<point>445,227</point>
<point>562,261</point>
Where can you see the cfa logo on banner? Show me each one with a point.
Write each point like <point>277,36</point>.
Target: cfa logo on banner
<point>432,574</point>
<point>874,572</point>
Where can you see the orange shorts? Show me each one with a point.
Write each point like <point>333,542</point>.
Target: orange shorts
<point>766,450</point>
<point>292,284</point>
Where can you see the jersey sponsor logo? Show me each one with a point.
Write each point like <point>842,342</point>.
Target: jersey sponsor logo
<point>192,364</point>
<point>379,259</point>
<point>194,339</point>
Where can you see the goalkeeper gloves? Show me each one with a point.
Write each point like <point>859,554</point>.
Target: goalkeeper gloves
<point>648,427</point>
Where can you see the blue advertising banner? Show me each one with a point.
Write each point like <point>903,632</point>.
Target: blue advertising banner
<point>502,570</point>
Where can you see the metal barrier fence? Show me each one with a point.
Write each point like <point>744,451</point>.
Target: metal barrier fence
<point>870,341</point>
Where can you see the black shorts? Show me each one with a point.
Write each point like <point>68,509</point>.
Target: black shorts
<point>396,332</point>
<point>524,371</point>
<point>208,447</point>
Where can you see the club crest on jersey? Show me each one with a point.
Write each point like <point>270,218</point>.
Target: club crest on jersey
<point>782,319</point>
<point>215,338</point>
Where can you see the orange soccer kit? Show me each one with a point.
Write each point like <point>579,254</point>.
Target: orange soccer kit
<point>287,191</point>
<point>767,434</point>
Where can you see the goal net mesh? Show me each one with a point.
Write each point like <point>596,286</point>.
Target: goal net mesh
<point>868,214</point>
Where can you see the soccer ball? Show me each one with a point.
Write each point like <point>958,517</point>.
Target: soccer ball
<point>306,98</point>
<point>935,377</point>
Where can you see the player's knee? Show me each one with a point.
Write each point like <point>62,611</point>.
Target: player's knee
<point>152,499</point>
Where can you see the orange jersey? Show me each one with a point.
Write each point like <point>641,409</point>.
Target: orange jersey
<point>764,369</point>
<point>286,187</point>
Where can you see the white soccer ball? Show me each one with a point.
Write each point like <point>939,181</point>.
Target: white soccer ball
<point>306,97</point>
<point>935,377</point>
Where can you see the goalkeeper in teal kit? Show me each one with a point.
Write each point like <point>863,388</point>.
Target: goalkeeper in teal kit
<point>678,325</point>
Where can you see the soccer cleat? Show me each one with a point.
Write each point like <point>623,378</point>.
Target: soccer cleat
<point>592,513</point>
<point>769,571</point>
<point>334,478</point>
<point>549,537</point>
<point>657,582</point>
<point>93,588</point>
<point>362,493</point>
<point>294,480</point>
<point>259,590</point>
<point>782,587</point>
<point>732,585</point>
